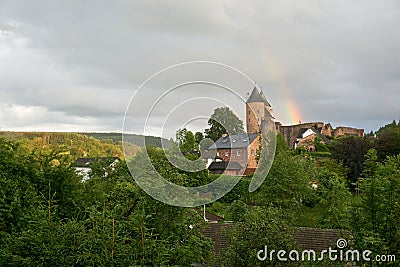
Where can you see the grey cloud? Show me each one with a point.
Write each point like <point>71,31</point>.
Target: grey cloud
<point>338,60</point>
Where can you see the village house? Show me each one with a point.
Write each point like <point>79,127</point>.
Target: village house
<point>82,165</point>
<point>306,138</point>
<point>237,154</point>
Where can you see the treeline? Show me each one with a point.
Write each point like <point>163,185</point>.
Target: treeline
<point>73,144</point>
<point>136,139</point>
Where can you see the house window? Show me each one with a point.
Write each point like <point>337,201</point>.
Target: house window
<point>226,153</point>
<point>253,152</point>
<point>238,152</point>
<point>218,153</point>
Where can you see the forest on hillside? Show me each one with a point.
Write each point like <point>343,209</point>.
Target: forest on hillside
<point>75,145</point>
<point>49,217</point>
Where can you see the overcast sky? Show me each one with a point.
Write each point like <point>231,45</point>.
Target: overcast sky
<point>74,65</point>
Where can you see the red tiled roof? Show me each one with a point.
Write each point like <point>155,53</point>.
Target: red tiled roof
<point>319,239</point>
<point>219,234</point>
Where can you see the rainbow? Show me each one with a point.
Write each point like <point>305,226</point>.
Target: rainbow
<point>293,111</point>
<point>278,75</point>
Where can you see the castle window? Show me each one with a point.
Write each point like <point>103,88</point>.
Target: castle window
<point>253,152</point>
<point>238,152</point>
<point>227,153</point>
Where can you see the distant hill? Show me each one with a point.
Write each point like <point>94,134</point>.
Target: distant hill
<point>62,137</point>
<point>136,139</point>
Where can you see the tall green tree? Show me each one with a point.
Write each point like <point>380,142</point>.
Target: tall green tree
<point>199,136</point>
<point>376,219</point>
<point>255,228</point>
<point>351,152</point>
<point>186,141</point>
<point>388,141</point>
<point>223,121</point>
<point>287,182</point>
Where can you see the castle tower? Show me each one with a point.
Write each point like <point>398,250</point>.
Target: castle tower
<point>257,110</point>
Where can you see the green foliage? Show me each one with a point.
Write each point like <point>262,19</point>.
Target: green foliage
<point>387,127</point>
<point>49,218</point>
<point>334,199</point>
<point>239,192</point>
<point>167,170</point>
<point>135,139</point>
<point>223,121</point>
<point>350,151</point>
<point>17,193</point>
<point>320,146</point>
<point>76,145</point>
<point>300,150</point>
<point>186,141</point>
<point>255,228</point>
<point>287,181</point>
<point>376,219</point>
<point>199,137</point>
<point>388,141</point>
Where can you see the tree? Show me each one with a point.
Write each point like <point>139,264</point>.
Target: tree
<point>376,219</point>
<point>320,146</point>
<point>351,151</point>
<point>388,141</point>
<point>387,127</point>
<point>186,141</point>
<point>17,193</point>
<point>199,137</point>
<point>223,121</point>
<point>287,182</point>
<point>257,227</point>
<point>334,197</point>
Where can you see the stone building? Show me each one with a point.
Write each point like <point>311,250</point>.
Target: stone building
<point>237,150</point>
<point>306,138</point>
<point>242,149</point>
<point>291,132</point>
<point>294,133</point>
<point>347,131</point>
<point>258,112</point>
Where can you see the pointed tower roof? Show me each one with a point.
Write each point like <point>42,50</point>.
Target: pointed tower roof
<point>257,97</point>
<point>264,98</point>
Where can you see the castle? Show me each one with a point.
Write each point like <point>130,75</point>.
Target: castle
<point>237,154</point>
<point>259,113</point>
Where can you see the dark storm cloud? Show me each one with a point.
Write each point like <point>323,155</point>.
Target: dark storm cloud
<point>79,62</point>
